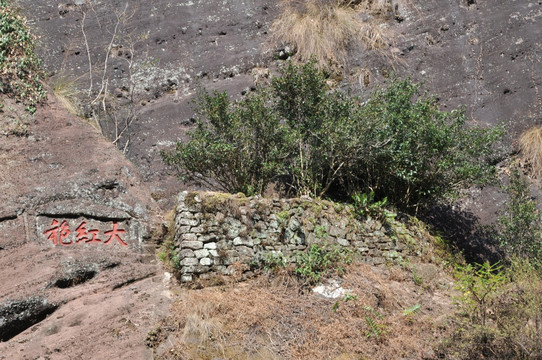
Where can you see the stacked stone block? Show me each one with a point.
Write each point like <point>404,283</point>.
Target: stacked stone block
<point>219,233</point>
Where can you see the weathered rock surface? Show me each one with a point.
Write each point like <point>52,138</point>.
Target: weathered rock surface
<point>17,316</point>
<point>79,277</point>
<point>63,170</point>
<point>175,46</point>
<point>64,176</point>
<point>485,55</point>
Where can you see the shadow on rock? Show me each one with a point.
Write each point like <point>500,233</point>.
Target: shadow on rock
<point>17,316</point>
<point>465,233</point>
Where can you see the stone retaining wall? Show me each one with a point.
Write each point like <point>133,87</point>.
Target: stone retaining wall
<point>217,233</point>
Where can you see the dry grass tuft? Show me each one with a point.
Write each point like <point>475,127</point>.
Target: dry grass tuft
<point>65,90</point>
<point>325,28</point>
<point>202,327</point>
<point>383,8</point>
<point>531,149</point>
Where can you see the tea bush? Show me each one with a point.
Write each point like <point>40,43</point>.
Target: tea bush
<point>316,141</point>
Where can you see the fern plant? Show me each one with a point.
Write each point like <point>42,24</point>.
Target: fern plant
<point>375,329</point>
<point>319,260</point>
<point>414,309</point>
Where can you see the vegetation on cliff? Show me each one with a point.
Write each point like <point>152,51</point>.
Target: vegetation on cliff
<point>20,74</point>
<point>326,29</point>
<point>311,140</point>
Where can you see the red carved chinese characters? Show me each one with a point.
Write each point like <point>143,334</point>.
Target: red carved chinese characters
<point>53,232</point>
<point>115,235</point>
<point>82,234</point>
<point>64,233</point>
<point>94,238</point>
<point>59,234</point>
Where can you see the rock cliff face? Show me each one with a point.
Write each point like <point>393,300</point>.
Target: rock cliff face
<point>484,55</point>
<point>62,169</point>
<point>165,49</point>
<point>79,279</point>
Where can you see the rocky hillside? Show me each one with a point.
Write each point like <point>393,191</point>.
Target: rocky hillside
<point>75,226</point>
<point>84,192</point>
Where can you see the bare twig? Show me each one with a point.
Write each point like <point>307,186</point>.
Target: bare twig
<point>84,16</point>
<point>103,88</point>
<point>100,101</point>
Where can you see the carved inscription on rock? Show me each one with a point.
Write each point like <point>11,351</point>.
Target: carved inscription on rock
<point>60,231</point>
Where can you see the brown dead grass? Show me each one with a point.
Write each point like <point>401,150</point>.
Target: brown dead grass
<point>277,318</point>
<point>201,327</point>
<point>531,149</point>
<point>66,91</point>
<point>326,28</point>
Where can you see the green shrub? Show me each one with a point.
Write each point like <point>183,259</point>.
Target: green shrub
<point>365,205</point>
<point>274,261</point>
<point>168,254</point>
<point>237,148</point>
<point>317,141</point>
<point>415,154</point>
<point>478,285</point>
<point>499,313</point>
<point>318,261</point>
<point>519,227</point>
<point>500,306</point>
<point>20,73</point>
